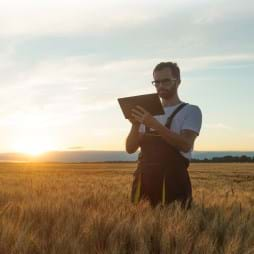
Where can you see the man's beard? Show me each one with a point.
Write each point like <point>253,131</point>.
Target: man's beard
<point>167,93</point>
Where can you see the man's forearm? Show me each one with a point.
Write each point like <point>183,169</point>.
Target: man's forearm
<point>132,141</point>
<point>174,139</point>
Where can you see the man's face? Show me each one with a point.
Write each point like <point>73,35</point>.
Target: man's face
<point>166,84</point>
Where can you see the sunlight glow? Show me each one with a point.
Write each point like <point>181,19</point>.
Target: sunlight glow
<point>32,145</point>
<point>33,135</point>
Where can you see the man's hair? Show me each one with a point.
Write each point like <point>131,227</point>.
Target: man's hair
<point>172,66</point>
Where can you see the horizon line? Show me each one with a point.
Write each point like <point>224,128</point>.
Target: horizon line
<point>86,150</point>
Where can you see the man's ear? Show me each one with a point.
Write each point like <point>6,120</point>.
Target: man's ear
<point>178,82</point>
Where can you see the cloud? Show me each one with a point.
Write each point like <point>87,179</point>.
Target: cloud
<point>216,12</point>
<point>82,84</point>
<point>69,17</point>
<point>61,18</point>
<point>218,61</point>
<point>109,31</point>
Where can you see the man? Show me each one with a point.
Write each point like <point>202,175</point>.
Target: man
<point>166,143</point>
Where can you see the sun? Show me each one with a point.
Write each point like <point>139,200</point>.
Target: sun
<point>33,135</point>
<point>30,149</point>
<point>33,146</point>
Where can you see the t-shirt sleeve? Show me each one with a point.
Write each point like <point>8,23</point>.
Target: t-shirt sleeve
<point>193,119</point>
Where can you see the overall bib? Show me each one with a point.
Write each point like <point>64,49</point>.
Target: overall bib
<point>161,175</point>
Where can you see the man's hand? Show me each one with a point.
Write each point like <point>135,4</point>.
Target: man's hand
<point>143,116</point>
<point>183,141</point>
<point>134,121</point>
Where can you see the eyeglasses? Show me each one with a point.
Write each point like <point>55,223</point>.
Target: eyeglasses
<point>163,82</point>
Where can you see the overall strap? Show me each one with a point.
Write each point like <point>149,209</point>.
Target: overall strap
<point>170,118</point>
<point>147,129</point>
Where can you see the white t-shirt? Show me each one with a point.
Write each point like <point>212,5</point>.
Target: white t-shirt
<point>188,118</point>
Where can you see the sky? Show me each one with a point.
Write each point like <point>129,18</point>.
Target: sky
<point>63,64</point>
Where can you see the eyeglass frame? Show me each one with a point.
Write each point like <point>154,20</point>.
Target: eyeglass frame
<point>162,82</point>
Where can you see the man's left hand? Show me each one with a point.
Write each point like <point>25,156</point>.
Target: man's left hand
<point>143,116</point>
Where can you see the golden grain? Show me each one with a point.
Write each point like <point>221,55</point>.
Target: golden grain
<point>85,208</point>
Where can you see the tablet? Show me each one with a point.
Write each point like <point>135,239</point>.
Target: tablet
<point>150,102</point>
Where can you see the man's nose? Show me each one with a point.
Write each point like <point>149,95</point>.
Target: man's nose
<point>159,84</point>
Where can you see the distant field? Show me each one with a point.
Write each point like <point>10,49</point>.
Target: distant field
<point>85,208</point>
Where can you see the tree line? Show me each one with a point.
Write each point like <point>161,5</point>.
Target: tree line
<point>227,158</point>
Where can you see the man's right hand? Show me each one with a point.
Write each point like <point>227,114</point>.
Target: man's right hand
<point>134,121</point>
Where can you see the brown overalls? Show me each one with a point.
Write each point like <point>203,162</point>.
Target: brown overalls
<point>161,175</point>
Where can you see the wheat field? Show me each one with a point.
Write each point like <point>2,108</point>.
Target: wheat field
<point>85,208</point>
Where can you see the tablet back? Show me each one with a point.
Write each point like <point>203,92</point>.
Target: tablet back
<point>150,102</point>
